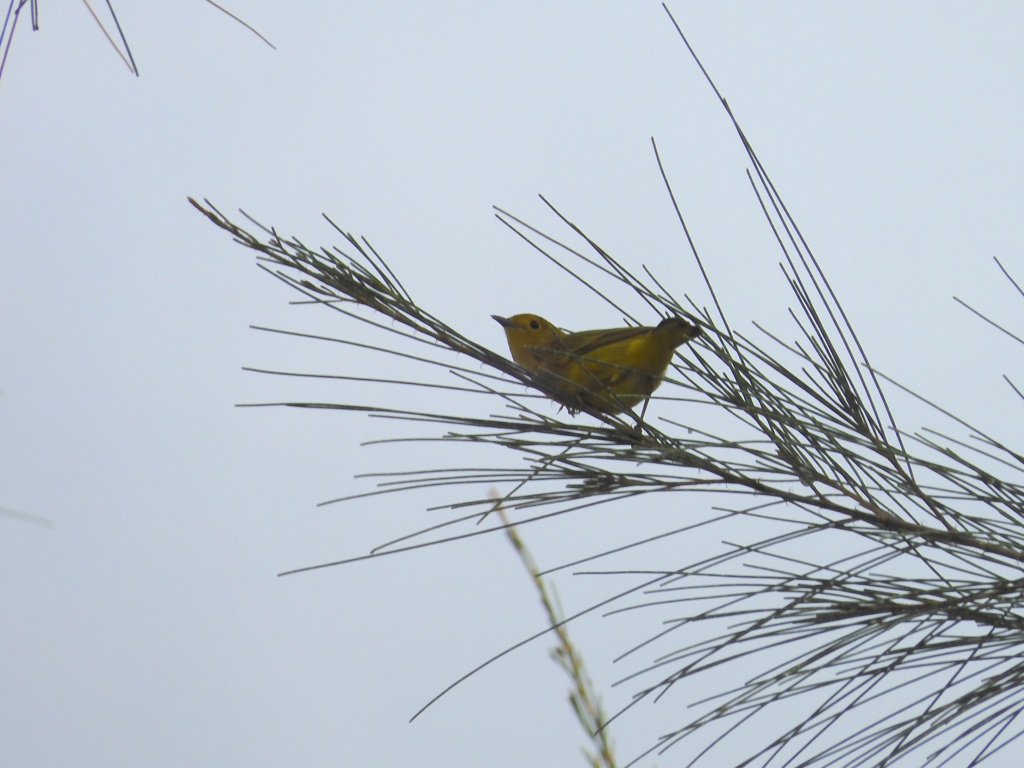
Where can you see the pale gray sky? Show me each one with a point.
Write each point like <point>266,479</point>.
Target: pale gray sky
<point>148,626</point>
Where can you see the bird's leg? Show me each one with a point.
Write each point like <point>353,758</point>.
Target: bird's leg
<point>643,411</point>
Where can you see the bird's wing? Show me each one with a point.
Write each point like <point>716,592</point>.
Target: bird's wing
<point>583,343</point>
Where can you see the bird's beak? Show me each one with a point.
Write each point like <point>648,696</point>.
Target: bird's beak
<point>505,322</point>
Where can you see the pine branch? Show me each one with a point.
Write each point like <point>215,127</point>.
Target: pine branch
<point>877,609</point>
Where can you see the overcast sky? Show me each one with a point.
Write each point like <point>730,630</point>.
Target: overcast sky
<point>147,625</point>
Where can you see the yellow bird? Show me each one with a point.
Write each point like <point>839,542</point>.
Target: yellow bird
<point>608,370</point>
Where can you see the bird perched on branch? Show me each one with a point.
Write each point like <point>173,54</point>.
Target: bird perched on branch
<point>608,370</point>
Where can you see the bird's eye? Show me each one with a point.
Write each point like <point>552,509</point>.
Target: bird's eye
<point>535,324</point>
